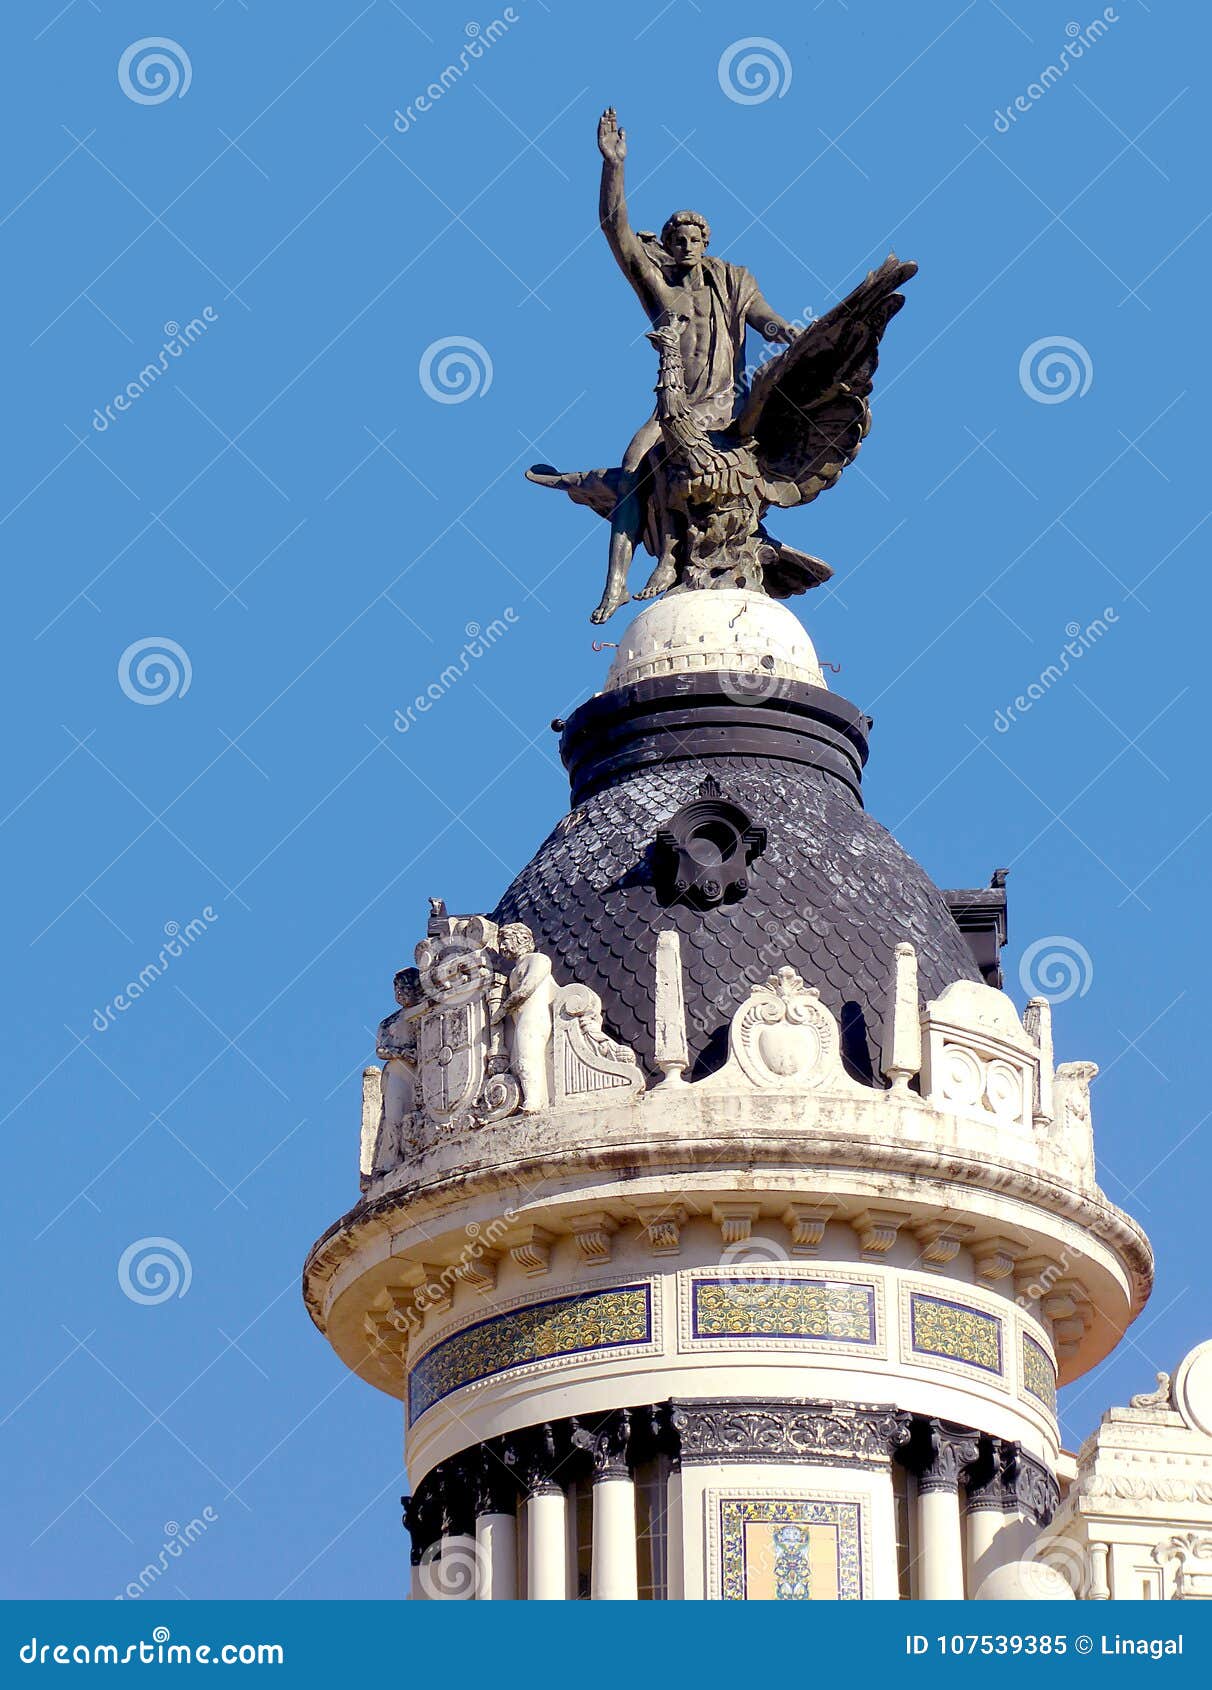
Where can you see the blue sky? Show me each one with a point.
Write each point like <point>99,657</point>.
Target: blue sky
<point>315,533</point>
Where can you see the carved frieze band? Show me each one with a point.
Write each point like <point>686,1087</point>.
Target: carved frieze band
<point>836,1434</point>
<point>496,1476</point>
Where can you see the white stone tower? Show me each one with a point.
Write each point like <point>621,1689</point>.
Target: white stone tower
<point>725,1229</point>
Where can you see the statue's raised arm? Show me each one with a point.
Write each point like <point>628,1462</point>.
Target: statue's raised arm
<point>633,261</point>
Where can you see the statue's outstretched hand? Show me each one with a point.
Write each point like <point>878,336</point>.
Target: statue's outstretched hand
<point>612,141</point>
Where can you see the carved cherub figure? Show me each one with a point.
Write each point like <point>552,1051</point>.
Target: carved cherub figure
<point>529,1001</point>
<point>396,1045</point>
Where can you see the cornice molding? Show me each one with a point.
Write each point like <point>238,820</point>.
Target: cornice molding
<point>952,1168</point>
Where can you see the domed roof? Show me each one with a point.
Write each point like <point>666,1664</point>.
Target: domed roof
<point>829,893</point>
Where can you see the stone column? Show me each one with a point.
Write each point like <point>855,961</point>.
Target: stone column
<point>497,1555</point>
<point>614,1549</point>
<point>1099,1586</point>
<point>985,1537</point>
<point>497,1492</point>
<point>423,1522</point>
<point>546,1549</point>
<point>546,1520</point>
<point>614,1577</point>
<point>949,1451</point>
<point>450,1572</point>
<point>1031,1496</point>
<point>675,1528</point>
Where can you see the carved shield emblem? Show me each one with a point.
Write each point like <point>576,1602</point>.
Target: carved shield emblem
<point>453,1048</point>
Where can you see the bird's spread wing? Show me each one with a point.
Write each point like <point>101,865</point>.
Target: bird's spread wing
<point>807,408</point>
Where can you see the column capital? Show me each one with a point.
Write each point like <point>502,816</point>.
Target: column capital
<point>949,1451</point>
<point>606,1442</point>
<point>422,1519</point>
<point>456,1490</point>
<point>984,1482</point>
<point>1029,1487</point>
<point>497,1481</point>
<point>538,1458</point>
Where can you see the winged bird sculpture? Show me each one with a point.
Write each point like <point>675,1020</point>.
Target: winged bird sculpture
<point>719,450</point>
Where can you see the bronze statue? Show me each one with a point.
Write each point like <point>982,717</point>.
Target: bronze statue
<point>720,449</point>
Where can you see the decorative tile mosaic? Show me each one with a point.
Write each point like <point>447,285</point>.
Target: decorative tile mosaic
<point>1039,1375</point>
<point>782,1307</point>
<point>595,1320</point>
<point>954,1330</point>
<point>790,1550</point>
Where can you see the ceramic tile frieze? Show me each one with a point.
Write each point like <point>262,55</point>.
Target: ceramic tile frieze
<point>592,1322</point>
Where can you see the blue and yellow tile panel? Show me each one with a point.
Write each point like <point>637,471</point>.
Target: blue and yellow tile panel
<point>782,1307</point>
<point>565,1326</point>
<point>784,1550</point>
<point>1039,1375</point>
<point>956,1332</point>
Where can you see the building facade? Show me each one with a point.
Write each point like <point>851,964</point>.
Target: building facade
<point>726,1230</point>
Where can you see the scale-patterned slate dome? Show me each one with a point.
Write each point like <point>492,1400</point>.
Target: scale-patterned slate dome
<point>830,895</point>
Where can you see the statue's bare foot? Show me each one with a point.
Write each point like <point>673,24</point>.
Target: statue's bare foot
<point>661,579</point>
<point>612,599</point>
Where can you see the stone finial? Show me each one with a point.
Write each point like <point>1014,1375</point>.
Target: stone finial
<point>904,1058</point>
<point>372,1111</point>
<point>672,1053</point>
<point>1037,1019</point>
<point>1071,1102</point>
